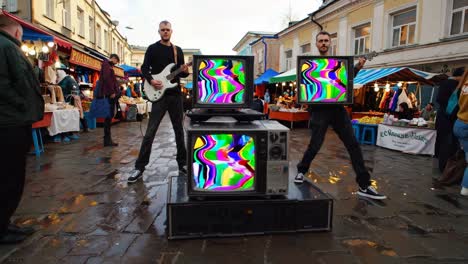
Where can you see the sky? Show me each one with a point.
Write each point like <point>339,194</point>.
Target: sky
<point>212,26</point>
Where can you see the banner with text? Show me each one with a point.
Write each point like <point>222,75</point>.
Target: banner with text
<point>407,139</point>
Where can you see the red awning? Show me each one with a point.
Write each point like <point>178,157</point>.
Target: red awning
<point>59,41</point>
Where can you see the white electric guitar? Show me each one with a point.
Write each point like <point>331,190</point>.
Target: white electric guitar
<point>165,76</point>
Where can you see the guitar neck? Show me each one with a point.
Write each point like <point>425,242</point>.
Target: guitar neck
<point>176,72</point>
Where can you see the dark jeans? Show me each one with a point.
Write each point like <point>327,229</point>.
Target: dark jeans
<point>108,121</point>
<point>339,119</point>
<point>172,104</point>
<point>14,145</point>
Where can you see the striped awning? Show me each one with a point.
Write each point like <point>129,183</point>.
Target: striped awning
<point>396,74</point>
<point>287,76</point>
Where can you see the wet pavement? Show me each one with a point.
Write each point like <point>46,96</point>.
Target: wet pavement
<point>77,197</point>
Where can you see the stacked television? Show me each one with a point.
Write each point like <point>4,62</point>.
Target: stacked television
<point>238,179</point>
<point>228,159</point>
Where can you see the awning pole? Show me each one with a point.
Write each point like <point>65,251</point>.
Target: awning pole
<point>432,94</point>
<point>420,98</point>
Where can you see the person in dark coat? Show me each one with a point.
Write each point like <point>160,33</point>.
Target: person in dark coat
<point>446,142</point>
<point>21,104</point>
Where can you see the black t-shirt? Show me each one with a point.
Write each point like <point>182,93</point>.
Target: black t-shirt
<point>157,57</point>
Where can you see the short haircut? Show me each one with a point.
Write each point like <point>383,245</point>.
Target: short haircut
<point>322,33</point>
<point>115,56</point>
<point>6,22</point>
<point>164,22</point>
<point>458,72</point>
<point>432,104</point>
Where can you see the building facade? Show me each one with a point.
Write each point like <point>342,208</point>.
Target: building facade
<point>430,35</point>
<point>138,55</point>
<point>243,47</point>
<point>266,50</point>
<point>82,22</point>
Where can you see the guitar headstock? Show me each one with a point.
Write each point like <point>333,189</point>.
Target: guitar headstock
<point>369,56</point>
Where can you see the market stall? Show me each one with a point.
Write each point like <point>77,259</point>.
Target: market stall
<point>290,116</point>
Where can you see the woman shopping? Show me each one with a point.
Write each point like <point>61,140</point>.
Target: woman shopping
<point>461,126</point>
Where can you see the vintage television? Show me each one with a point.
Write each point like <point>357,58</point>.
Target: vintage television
<point>325,80</point>
<point>241,160</point>
<point>222,82</point>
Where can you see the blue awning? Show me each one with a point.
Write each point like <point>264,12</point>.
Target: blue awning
<point>394,74</point>
<point>265,77</point>
<point>130,70</point>
<point>189,85</point>
<point>29,34</point>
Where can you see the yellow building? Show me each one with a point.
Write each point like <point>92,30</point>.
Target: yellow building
<point>81,22</point>
<point>430,35</point>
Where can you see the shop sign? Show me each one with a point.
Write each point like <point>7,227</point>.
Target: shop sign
<point>119,72</point>
<point>82,59</point>
<point>407,139</point>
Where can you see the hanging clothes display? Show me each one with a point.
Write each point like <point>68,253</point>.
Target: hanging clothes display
<point>403,98</point>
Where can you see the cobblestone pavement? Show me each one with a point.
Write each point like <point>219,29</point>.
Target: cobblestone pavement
<point>77,197</point>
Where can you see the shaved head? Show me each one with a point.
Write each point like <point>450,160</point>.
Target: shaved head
<point>11,27</point>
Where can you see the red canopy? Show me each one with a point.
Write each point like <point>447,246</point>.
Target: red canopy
<point>59,41</point>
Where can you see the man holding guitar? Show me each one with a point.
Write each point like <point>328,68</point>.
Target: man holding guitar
<point>165,96</point>
<point>336,116</point>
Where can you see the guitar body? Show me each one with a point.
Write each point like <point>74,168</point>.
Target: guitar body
<point>151,92</point>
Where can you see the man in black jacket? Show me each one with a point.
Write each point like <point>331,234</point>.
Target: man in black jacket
<point>21,104</point>
<point>157,57</point>
<point>336,116</point>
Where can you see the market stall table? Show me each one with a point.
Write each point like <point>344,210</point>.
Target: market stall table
<point>65,120</point>
<point>290,116</point>
<point>414,140</point>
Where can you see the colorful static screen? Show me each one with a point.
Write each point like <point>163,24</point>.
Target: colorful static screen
<point>323,81</point>
<point>223,163</point>
<point>221,81</point>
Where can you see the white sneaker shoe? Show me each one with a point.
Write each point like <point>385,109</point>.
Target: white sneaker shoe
<point>299,178</point>
<point>464,191</point>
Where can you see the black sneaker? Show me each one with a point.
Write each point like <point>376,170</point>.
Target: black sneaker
<point>299,178</point>
<point>370,192</point>
<point>183,171</point>
<point>135,176</point>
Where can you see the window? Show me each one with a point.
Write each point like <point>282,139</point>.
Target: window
<point>305,48</point>
<point>91,29</point>
<point>403,28</point>
<point>333,44</point>
<point>114,45</point>
<point>288,54</point>
<point>66,14</point>
<point>459,17</point>
<point>362,39</point>
<point>80,14</point>
<point>50,9</point>
<point>10,5</point>
<point>106,41</point>
<point>98,36</point>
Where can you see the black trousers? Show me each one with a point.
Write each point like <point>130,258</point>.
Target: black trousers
<point>14,145</point>
<point>446,143</point>
<point>339,119</point>
<point>108,121</point>
<point>173,104</point>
